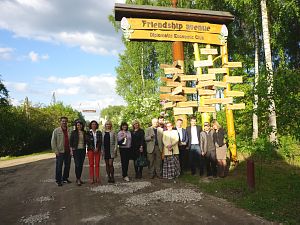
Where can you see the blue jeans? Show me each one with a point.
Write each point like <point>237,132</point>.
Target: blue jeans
<point>196,160</point>
<point>62,158</point>
<point>79,156</point>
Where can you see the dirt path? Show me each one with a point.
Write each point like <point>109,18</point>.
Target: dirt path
<point>29,196</point>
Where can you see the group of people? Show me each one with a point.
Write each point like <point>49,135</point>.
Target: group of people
<point>166,149</point>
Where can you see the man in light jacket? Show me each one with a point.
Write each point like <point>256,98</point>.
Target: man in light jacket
<point>60,143</point>
<point>153,138</point>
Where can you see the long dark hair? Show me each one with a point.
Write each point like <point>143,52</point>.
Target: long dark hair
<point>79,122</point>
<point>124,124</point>
<point>94,121</point>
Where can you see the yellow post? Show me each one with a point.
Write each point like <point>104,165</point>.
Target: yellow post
<point>205,117</point>
<point>229,113</point>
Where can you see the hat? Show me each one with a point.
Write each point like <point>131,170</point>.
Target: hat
<point>206,124</point>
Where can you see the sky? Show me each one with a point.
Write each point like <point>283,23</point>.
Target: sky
<point>64,47</point>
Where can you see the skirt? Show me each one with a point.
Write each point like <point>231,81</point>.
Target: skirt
<point>171,167</point>
<point>221,152</point>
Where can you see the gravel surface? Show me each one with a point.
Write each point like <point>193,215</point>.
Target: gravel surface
<point>122,188</point>
<point>33,219</point>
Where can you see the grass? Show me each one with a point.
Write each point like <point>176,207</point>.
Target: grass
<point>24,156</point>
<point>277,192</point>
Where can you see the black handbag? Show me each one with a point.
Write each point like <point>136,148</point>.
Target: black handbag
<point>141,161</point>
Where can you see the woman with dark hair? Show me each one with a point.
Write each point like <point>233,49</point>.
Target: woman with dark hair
<point>124,141</point>
<point>78,142</point>
<point>109,149</point>
<point>138,146</point>
<point>94,146</point>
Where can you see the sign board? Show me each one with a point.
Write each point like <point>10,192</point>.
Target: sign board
<point>220,84</point>
<point>165,89</point>
<point>217,101</point>
<point>232,64</point>
<point>206,92</point>
<point>165,79</point>
<point>172,70</point>
<point>188,77</point>
<point>236,106</point>
<point>174,98</point>
<point>207,77</point>
<point>187,104</point>
<point>183,110</point>
<point>206,109</point>
<point>208,51</point>
<point>177,90</point>
<point>173,84</point>
<point>168,105</point>
<point>233,79</point>
<point>205,84</point>
<point>234,93</point>
<point>189,90</point>
<point>203,63</point>
<point>217,70</point>
<point>89,110</point>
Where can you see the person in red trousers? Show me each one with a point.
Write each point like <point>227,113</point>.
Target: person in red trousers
<point>94,152</point>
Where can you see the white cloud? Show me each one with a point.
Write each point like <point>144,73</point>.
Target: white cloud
<point>72,22</point>
<point>6,53</point>
<point>17,86</point>
<point>35,57</point>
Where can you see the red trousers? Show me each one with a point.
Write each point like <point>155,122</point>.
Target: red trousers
<point>94,159</point>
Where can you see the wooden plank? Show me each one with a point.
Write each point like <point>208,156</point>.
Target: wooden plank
<point>203,63</point>
<point>165,79</point>
<point>189,90</point>
<point>220,84</point>
<point>188,77</point>
<point>187,104</point>
<point>162,66</point>
<point>233,79</point>
<point>232,65</point>
<point>165,89</point>
<point>217,101</point>
<point>208,51</point>
<point>217,70</point>
<point>206,109</point>
<point>205,84</point>
<point>173,84</point>
<point>234,93</point>
<point>206,92</point>
<point>236,106</point>
<point>164,96</point>
<point>175,77</point>
<point>183,110</point>
<point>177,98</point>
<point>172,70</point>
<point>168,105</point>
<point>177,90</point>
<point>206,77</point>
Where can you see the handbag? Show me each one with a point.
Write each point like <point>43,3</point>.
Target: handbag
<point>122,142</point>
<point>141,161</point>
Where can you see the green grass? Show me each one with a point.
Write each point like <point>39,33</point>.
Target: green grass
<point>24,156</point>
<point>276,196</point>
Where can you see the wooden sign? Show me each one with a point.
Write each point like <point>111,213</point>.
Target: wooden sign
<point>233,79</point>
<point>217,70</point>
<point>188,77</point>
<point>174,98</point>
<point>173,84</point>
<point>165,89</point>
<point>162,66</point>
<point>208,51</point>
<point>187,104</point>
<point>164,96</point>
<point>236,106</point>
<point>156,24</point>
<point>184,36</point>
<point>168,105</point>
<point>165,79</point>
<point>234,93</point>
<point>205,84</point>
<point>175,77</point>
<point>203,63</point>
<point>232,64</point>
<point>206,109</point>
<point>183,110</point>
<point>177,90</point>
<point>217,101</point>
<point>220,84</point>
<point>206,92</point>
<point>172,70</point>
<point>206,77</point>
<point>189,90</point>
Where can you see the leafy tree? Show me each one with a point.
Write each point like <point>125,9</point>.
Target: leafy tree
<point>3,94</point>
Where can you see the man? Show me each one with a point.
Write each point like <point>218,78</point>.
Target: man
<point>153,138</point>
<point>183,140</point>
<point>60,143</point>
<point>195,158</point>
<point>161,123</point>
<point>208,150</point>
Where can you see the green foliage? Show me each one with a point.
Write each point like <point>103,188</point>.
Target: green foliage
<point>114,114</point>
<point>3,95</point>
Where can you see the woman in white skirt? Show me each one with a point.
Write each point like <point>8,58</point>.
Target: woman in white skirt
<point>171,166</point>
<point>221,148</point>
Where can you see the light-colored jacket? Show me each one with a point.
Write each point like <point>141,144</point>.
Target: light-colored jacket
<point>58,140</point>
<point>113,144</point>
<point>171,138</point>
<point>150,140</point>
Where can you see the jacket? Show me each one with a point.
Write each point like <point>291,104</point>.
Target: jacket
<point>206,141</point>
<point>189,133</point>
<point>113,144</point>
<point>58,140</point>
<point>150,140</point>
<point>170,138</point>
<point>185,137</point>
<point>90,140</point>
<point>75,138</point>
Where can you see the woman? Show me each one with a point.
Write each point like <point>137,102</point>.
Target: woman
<point>78,142</point>
<point>124,141</point>
<point>171,166</point>
<point>138,146</point>
<point>109,150</point>
<point>221,148</point>
<point>94,146</point>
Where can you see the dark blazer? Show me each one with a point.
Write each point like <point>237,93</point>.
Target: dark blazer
<point>138,140</point>
<point>185,137</point>
<point>74,139</point>
<point>189,133</point>
<point>90,140</point>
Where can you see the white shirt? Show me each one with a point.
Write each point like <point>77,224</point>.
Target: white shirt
<point>179,130</point>
<point>194,138</point>
<point>95,138</point>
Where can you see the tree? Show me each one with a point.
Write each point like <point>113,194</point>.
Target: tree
<point>3,94</point>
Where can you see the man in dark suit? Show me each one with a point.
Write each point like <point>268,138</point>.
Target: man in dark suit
<point>183,140</point>
<point>195,158</point>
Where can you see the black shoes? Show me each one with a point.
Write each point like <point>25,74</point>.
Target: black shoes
<point>59,184</point>
<point>67,181</point>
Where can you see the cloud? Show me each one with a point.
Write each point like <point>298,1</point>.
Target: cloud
<point>17,86</point>
<point>75,23</point>
<point>35,57</point>
<point>6,53</point>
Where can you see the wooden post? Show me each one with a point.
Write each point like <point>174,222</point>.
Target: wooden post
<point>250,174</point>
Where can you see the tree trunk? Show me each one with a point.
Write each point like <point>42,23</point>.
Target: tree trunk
<point>254,116</point>
<point>269,67</point>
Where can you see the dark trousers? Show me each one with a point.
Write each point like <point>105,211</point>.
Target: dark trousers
<point>182,158</point>
<point>194,157</point>
<point>79,156</point>
<point>211,163</point>
<point>62,158</point>
<point>125,156</point>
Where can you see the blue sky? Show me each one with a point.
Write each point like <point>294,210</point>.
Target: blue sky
<point>68,47</point>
